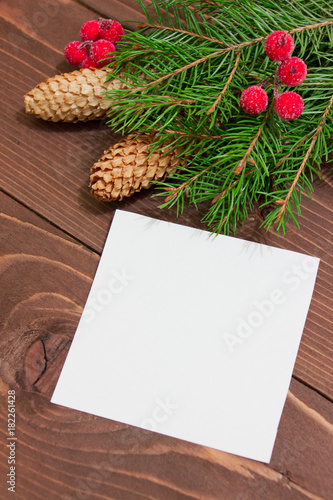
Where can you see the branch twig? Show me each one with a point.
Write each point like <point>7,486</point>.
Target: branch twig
<point>238,170</point>
<point>226,190</point>
<point>212,108</point>
<point>311,27</point>
<point>184,32</point>
<point>305,159</point>
<point>185,184</point>
<point>186,134</point>
<point>294,149</point>
<point>179,70</point>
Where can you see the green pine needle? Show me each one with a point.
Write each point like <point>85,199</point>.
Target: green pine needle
<point>186,68</point>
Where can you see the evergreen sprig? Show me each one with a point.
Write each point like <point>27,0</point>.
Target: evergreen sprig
<point>186,68</point>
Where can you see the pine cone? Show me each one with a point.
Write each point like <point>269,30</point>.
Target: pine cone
<point>126,167</point>
<point>72,97</point>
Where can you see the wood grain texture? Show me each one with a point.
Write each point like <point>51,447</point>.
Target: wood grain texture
<point>66,454</point>
<point>121,10</point>
<point>49,254</point>
<point>46,166</point>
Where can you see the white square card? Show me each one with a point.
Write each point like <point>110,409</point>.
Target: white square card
<point>190,335</point>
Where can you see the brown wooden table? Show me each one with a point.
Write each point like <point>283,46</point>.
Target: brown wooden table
<point>52,234</point>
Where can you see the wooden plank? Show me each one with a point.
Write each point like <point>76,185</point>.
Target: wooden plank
<point>46,167</point>
<point>56,22</point>
<point>72,455</point>
<point>120,10</point>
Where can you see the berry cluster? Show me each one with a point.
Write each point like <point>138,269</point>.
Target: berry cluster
<point>99,38</point>
<point>291,71</point>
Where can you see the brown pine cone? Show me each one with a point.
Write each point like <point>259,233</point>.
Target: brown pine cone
<point>126,167</point>
<point>72,97</point>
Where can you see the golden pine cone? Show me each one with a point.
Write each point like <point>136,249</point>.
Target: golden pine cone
<point>126,167</point>
<point>72,97</point>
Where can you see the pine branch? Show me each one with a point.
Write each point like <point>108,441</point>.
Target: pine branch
<point>174,67</point>
<point>218,53</point>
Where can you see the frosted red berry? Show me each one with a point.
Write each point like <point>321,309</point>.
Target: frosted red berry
<point>279,45</point>
<point>75,53</point>
<point>289,105</point>
<point>254,100</point>
<point>90,31</point>
<point>292,71</point>
<point>100,50</point>
<point>88,63</point>
<point>111,30</point>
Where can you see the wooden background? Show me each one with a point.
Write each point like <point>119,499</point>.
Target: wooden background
<point>52,233</point>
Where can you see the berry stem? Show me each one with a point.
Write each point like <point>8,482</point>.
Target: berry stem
<point>86,43</point>
<point>264,82</point>
<point>104,23</point>
<point>276,83</point>
<point>283,40</point>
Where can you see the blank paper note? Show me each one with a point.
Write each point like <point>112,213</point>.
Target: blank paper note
<point>190,335</point>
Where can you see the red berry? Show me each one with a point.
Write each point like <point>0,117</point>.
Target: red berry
<point>292,71</point>
<point>279,45</point>
<point>111,30</point>
<point>88,63</point>
<point>254,100</point>
<point>100,50</point>
<point>75,52</point>
<point>289,105</point>
<point>90,31</point>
